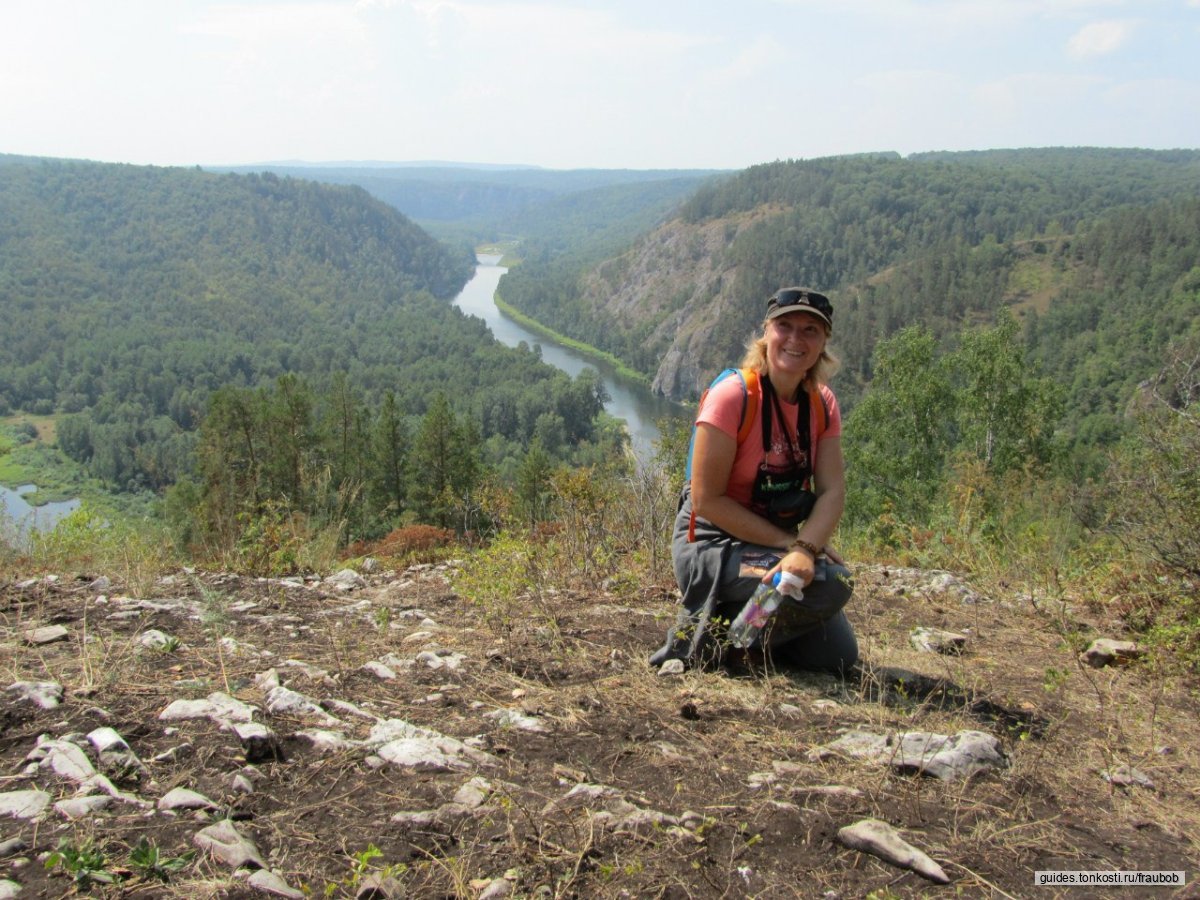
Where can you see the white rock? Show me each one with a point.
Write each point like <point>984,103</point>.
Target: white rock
<point>1106,652</point>
<point>285,700</point>
<point>325,741</point>
<point>81,807</point>
<point>962,755</point>
<point>933,640</point>
<point>672,667</point>
<point>9,889</point>
<point>272,883</point>
<point>66,760</point>
<point>880,839</point>
<point>511,718</point>
<point>24,804</point>
<point>345,580</point>
<point>219,707</point>
<point>153,639</point>
<point>379,670</point>
<point>45,694</point>
<point>229,846</point>
<point>474,793</point>
<point>114,753</point>
<point>438,754</point>
<point>48,634</point>
<point>183,798</point>
<point>105,739</point>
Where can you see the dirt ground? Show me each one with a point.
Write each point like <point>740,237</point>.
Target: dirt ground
<point>718,764</point>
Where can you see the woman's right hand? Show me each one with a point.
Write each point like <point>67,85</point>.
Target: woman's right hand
<point>798,563</point>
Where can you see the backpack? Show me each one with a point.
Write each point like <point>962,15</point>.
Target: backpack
<point>751,398</point>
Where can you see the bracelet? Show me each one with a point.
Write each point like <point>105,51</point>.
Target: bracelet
<point>810,549</point>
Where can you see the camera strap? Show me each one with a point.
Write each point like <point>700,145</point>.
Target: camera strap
<point>779,494</point>
<point>773,410</point>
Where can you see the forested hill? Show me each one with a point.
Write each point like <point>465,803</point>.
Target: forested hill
<point>128,295</point>
<point>1089,242</point>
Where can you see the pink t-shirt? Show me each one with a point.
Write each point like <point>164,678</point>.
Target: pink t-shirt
<point>722,409</point>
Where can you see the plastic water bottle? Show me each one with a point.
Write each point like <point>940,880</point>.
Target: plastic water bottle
<point>762,604</point>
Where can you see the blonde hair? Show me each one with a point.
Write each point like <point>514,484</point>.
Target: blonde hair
<point>820,373</point>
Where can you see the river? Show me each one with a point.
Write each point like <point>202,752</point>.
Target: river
<point>630,401</point>
<point>18,518</point>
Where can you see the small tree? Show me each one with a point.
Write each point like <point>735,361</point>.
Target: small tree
<point>1155,477</point>
<point>900,435</point>
<point>1006,415</point>
<point>444,465</point>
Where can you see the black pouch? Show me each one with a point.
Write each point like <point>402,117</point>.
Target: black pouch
<point>790,509</point>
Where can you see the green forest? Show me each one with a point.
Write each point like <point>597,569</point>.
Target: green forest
<point>275,361</point>
<point>1081,244</point>
<point>143,306</point>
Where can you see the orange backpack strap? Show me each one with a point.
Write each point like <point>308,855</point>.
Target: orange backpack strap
<point>820,419</point>
<point>816,402</point>
<point>753,388</point>
<point>750,407</point>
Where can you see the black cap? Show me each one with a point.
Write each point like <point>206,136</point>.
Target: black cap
<point>798,299</point>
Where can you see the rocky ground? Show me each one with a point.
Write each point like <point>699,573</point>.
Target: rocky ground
<point>376,734</point>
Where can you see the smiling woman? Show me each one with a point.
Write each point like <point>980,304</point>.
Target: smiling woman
<point>755,507</point>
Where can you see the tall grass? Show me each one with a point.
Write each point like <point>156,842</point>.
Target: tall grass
<point>84,543</point>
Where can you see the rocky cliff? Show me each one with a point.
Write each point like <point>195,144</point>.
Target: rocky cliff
<point>677,281</point>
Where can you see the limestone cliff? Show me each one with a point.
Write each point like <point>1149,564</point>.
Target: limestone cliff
<point>677,284</point>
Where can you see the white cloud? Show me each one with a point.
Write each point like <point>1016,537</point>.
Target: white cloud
<point>960,14</point>
<point>1099,39</point>
<point>762,53</point>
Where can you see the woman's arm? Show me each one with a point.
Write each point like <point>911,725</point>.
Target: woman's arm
<point>712,461</point>
<point>829,484</point>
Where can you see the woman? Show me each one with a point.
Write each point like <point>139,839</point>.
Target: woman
<point>770,501</point>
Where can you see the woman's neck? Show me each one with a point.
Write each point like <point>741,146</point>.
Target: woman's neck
<point>786,387</point>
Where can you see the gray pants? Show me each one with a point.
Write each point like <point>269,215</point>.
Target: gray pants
<point>812,633</point>
<point>717,574</point>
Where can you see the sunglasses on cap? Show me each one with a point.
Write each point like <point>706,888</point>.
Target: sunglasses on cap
<point>790,300</point>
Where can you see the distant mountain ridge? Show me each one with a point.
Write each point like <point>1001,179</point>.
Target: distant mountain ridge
<point>482,202</point>
<point>381,164</point>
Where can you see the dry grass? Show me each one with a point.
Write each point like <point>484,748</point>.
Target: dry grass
<point>676,745</point>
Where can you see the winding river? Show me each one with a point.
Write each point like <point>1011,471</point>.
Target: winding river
<point>630,401</point>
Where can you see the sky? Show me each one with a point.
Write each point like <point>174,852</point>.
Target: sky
<point>566,84</point>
